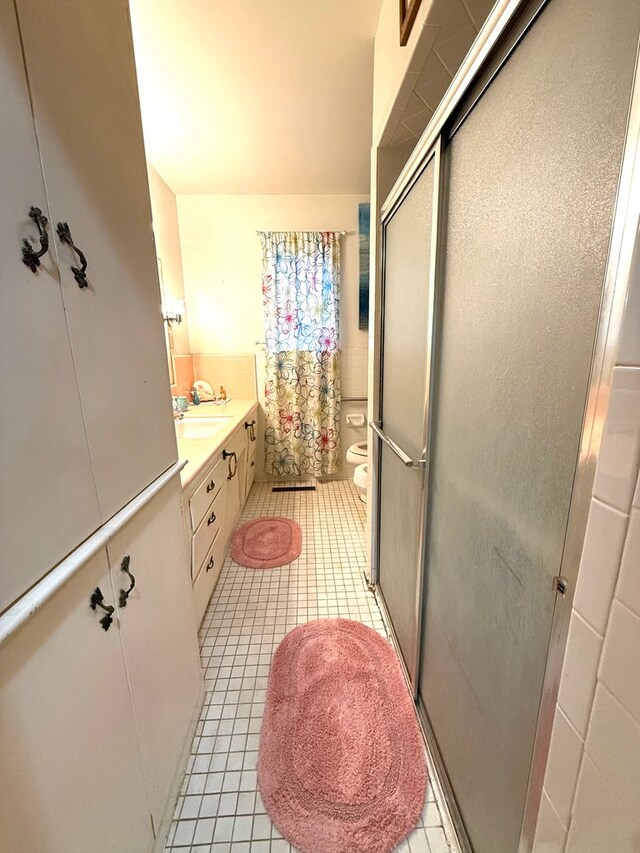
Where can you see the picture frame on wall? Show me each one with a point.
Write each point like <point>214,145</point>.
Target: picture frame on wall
<point>364,228</point>
<point>408,12</point>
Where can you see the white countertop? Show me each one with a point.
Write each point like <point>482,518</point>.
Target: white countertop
<point>198,451</point>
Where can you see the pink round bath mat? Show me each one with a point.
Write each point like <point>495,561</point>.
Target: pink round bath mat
<point>267,542</point>
<point>341,765</point>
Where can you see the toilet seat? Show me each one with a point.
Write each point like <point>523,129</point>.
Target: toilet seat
<point>357,453</point>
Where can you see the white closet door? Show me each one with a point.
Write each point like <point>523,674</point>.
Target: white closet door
<point>81,72</point>
<point>47,495</point>
<point>159,631</point>
<point>70,773</point>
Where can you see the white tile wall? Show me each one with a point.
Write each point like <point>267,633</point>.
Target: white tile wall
<point>600,563</point>
<point>353,372</point>
<point>551,834</point>
<point>591,797</point>
<point>578,683</point>
<point>565,756</point>
<point>629,583</point>
<point>618,463</point>
<point>620,668</point>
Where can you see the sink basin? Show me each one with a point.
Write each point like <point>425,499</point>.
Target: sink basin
<point>200,427</point>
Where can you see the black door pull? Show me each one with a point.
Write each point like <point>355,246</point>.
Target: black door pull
<point>97,600</point>
<point>31,257</point>
<point>234,459</point>
<point>211,518</point>
<point>80,275</point>
<point>211,486</point>
<point>124,593</point>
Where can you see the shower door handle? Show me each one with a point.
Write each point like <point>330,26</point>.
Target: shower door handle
<point>399,452</point>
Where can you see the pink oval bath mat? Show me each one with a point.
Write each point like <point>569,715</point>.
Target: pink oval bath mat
<point>341,765</point>
<point>267,542</point>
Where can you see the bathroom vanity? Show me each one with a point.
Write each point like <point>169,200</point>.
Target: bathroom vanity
<point>219,443</point>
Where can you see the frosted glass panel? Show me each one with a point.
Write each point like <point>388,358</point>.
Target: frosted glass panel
<point>532,177</point>
<point>407,258</point>
<point>406,295</point>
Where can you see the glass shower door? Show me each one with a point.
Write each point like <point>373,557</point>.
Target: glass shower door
<point>401,430</point>
<point>532,174</point>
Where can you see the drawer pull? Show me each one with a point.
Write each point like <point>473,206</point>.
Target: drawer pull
<point>80,274</point>
<point>253,462</point>
<point>31,257</point>
<point>232,470</point>
<point>211,518</point>
<point>210,565</point>
<point>211,486</point>
<point>251,427</point>
<point>97,600</point>
<point>124,593</point>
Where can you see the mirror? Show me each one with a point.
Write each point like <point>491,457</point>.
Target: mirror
<point>168,337</point>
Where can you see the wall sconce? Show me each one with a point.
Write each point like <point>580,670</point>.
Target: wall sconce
<point>173,311</point>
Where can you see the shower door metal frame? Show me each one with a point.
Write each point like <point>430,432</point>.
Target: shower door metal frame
<point>435,154</point>
<point>503,30</point>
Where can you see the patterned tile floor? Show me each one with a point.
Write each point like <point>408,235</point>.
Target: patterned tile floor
<point>219,809</point>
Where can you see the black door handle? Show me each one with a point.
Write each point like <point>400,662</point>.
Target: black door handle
<point>231,455</point>
<point>124,593</point>
<point>210,565</point>
<point>211,518</point>
<point>97,600</point>
<point>211,486</point>
<point>31,257</point>
<point>80,275</point>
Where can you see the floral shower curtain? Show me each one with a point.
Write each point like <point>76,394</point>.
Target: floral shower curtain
<point>301,300</point>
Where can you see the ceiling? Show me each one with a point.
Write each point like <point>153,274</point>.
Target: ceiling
<point>257,96</point>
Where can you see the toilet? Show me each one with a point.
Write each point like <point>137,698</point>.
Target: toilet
<point>357,455</point>
<point>360,479</point>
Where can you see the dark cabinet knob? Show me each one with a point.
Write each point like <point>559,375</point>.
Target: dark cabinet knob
<point>30,255</point>
<point>211,486</point>
<point>210,565</point>
<point>124,593</point>
<point>97,600</point>
<point>211,518</point>
<point>79,273</point>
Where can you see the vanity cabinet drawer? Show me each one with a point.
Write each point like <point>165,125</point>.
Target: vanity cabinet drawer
<point>204,495</point>
<point>207,532</point>
<point>208,576</point>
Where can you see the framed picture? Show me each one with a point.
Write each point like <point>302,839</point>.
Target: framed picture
<point>364,216</point>
<point>408,12</point>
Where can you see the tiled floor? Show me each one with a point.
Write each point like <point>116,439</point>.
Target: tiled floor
<point>219,809</point>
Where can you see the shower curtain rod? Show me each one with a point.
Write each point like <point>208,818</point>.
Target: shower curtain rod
<point>335,232</point>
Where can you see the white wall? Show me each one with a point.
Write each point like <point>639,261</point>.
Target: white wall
<point>591,798</point>
<point>222,262</point>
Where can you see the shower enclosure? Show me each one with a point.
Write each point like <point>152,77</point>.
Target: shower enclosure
<point>501,265</point>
